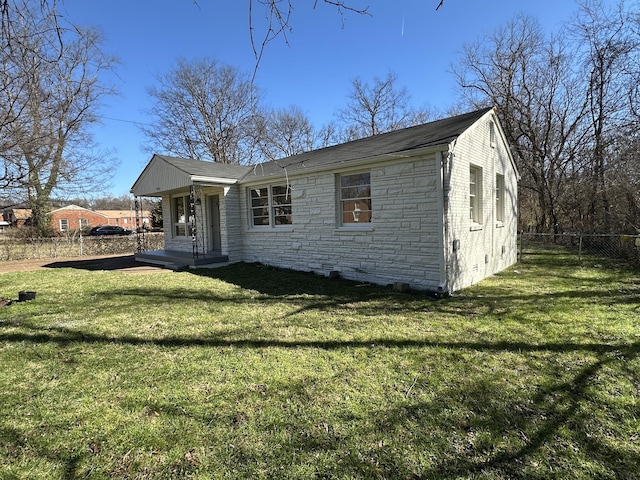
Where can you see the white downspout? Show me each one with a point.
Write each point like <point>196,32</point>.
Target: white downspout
<point>444,188</point>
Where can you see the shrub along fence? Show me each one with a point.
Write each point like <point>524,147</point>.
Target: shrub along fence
<point>75,246</point>
<point>581,249</point>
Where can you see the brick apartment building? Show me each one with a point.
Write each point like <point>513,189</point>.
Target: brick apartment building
<point>73,218</point>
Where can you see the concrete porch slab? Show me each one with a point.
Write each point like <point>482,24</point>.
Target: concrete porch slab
<point>176,260</point>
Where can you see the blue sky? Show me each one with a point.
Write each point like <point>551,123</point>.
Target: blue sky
<point>314,71</point>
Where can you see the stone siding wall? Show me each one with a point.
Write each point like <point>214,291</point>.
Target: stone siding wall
<point>401,243</point>
<point>478,250</point>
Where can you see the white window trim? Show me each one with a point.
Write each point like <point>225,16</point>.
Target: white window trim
<point>500,200</point>
<point>475,197</point>
<point>175,223</point>
<point>270,206</point>
<point>351,226</point>
<point>66,221</point>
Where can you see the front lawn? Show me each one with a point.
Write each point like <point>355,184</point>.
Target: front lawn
<point>250,372</point>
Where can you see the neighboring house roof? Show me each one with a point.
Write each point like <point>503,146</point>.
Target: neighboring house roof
<point>75,208</point>
<point>21,213</point>
<point>123,213</point>
<point>165,173</point>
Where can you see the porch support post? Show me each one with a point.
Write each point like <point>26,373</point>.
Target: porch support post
<point>139,231</point>
<point>192,221</point>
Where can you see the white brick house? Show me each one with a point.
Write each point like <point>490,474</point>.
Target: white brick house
<point>434,206</point>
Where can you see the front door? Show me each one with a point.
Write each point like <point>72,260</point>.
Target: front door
<point>215,242</point>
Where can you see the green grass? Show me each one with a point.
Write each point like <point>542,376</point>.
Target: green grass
<point>249,372</point>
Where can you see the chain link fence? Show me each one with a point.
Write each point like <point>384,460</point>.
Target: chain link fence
<point>580,249</point>
<point>75,246</point>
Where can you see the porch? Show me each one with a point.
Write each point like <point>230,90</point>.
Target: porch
<point>176,260</point>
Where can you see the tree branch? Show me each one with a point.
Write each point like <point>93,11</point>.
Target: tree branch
<point>278,16</point>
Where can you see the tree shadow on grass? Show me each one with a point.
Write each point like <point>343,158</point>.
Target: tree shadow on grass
<point>15,444</point>
<point>537,423</point>
<point>276,282</point>
<point>552,408</point>
<point>118,262</point>
<point>65,336</point>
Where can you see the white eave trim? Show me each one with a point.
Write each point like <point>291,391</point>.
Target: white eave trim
<point>201,180</point>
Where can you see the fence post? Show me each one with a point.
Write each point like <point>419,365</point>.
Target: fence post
<point>580,251</point>
<point>521,240</point>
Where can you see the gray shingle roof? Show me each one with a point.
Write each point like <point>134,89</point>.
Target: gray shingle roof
<point>439,132</point>
<point>207,169</point>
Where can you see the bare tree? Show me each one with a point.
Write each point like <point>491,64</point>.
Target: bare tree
<point>51,89</point>
<point>203,109</point>
<point>284,132</point>
<point>378,108</point>
<point>17,25</point>
<point>610,51</point>
<point>528,78</point>
<point>561,99</point>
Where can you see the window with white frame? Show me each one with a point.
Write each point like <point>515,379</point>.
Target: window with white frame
<point>84,223</point>
<point>271,206</point>
<point>500,198</point>
<point>355,198</point>
<point>475,194</point>
<point>64,224</point>
<point>180,215</point>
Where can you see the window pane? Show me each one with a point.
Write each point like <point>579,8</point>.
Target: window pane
<point>282,215</point>
<point>355,198</point>
<point>260,220</point>
<point>179,214</point>
<point>355,180</point>
<point>356,192</point>
<point>281,192</point>
<point>259,197</point>
<point>281,197</point>
<point>178,210</point>
<point>475,194</point>
<point>500,198</point>
<point>260,206</point>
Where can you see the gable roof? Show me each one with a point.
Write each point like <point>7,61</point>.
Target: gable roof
<point>164,173</point>
<point>21,213</point>
<point>123,213</point>
<point>432,134</point>
<point>76,208</point>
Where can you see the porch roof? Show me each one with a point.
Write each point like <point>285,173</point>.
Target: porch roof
<point>164,173</point>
